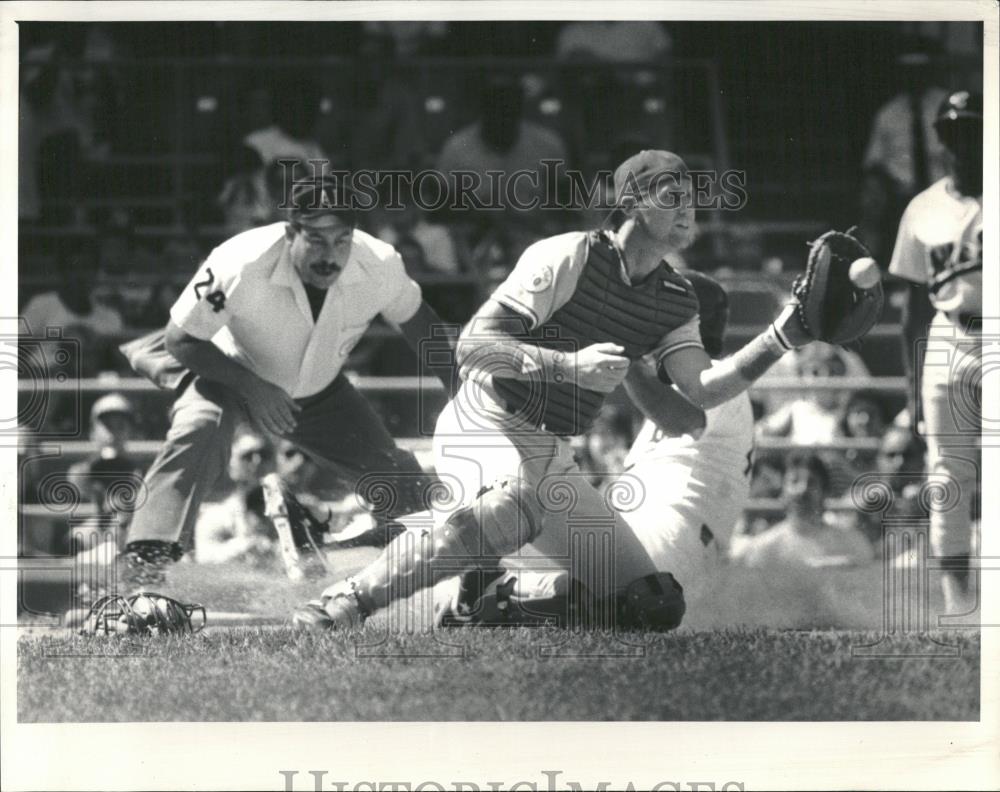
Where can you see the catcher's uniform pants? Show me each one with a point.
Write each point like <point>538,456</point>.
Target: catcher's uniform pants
<point>952,397</point>
<point>582,532</point>
<point>336,427</point>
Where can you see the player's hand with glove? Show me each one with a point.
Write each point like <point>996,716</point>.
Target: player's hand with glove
<point>838,299</point>
<point>268,406</point>
<point>599,367</point>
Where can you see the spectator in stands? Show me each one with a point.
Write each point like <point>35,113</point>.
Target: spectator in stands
<point>812,416</point>
<point>304,477</point>
<point>354,524</point>
<point>768,475</point>
<point>901,462</point>
<point>616,41</point>
<point>296,469</point>
<point>115,284</point>
<point>864,417</point>
<point>110,478</point>
<point>380,121</point>
<point>413,231</point>
<point>65,114</point>
<point>294,106</point>
<point>112,426</point>
<point>804,538</point>
<point>248,199</point>
<point>90,326</point>
<point>503,140</point>
<point>903,140</point>
<point>113,485</point>
<point>236,529</point>
<point>815,362</point>
<point>165,294</point>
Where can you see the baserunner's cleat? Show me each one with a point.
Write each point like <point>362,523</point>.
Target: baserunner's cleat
<point>337,609</point>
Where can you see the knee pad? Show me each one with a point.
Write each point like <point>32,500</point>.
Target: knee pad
<point>654,602</point>
<point>503,517</point>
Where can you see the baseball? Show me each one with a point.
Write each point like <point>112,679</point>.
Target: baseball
<point>864,273</point>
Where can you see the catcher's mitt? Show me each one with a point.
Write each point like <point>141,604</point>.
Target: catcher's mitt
<point>830,307</point>
<point>145,613</point>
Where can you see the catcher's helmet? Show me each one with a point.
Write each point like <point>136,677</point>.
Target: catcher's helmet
<point>146,613</point>
<point>713,310</point>
<point>959,105</point>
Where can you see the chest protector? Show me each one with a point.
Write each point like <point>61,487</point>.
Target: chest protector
<point>603,309</point>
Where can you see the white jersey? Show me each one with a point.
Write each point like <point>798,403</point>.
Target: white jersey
<point>940,244</point>
<point>700,481</point>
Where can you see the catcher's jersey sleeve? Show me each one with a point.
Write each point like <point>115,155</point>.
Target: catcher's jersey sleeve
<point>685,336</point>
<point>545,277</point>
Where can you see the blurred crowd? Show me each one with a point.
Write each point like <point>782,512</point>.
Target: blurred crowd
<point>85,109</point>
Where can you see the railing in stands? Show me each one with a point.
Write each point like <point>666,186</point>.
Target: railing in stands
<point>895,385</point>
<point>144,450</point>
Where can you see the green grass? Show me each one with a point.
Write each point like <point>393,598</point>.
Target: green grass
<point>708,670</point>
<point>278,675</point>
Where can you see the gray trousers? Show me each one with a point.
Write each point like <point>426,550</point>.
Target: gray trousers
<point>337,428</point>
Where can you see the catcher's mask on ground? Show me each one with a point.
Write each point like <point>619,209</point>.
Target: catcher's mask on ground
<point>146,613</point>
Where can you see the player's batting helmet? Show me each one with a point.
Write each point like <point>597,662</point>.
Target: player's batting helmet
<point>713,310</point>
<point>957,106</point>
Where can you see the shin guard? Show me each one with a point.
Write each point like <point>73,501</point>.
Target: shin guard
<point>502,518</point>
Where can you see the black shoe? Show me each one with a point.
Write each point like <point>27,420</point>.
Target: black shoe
<point>143,563</point>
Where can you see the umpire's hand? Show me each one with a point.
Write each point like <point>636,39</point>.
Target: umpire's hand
<point>269,406</point>
<point>600,367</point>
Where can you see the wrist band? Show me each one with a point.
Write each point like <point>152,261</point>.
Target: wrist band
<point>780,338</point>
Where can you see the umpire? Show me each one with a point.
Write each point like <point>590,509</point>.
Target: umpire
<point>262,332</point>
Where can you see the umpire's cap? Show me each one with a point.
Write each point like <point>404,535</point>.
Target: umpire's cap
<point>713,310</point>
<point>313,198</point>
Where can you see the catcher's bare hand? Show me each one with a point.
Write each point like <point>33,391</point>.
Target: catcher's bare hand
<point>269,406</point>
<point>599,367</point>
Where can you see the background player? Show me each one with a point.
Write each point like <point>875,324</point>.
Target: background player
<point>263,330</point>
<point>939,249</point>
<point>539,359</point>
